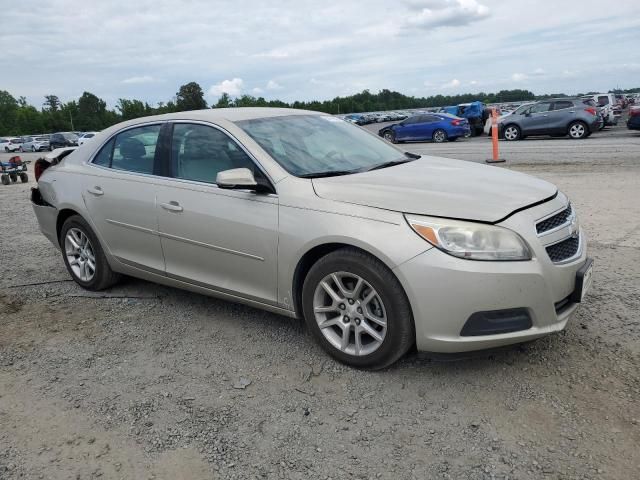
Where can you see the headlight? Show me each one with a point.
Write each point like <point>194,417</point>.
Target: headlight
<point>472,241</point>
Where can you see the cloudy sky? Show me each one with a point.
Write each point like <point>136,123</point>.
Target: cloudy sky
<point>310,49</point>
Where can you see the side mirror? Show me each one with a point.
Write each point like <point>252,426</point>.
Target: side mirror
<point>236,178</point>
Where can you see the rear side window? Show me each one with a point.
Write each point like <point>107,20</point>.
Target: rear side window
<point>603,100</point>
<point>562,105</point>
<point>133,150</point>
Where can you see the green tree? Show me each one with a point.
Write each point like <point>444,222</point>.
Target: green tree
<point>8,111</point>
<point>51,103</point>
<point>130,109</point>
<point>224,101</point>
<point>190,97</point>
<point>92,113</point>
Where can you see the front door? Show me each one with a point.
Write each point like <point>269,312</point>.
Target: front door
<point>221,239</point>
<point>536,120</point>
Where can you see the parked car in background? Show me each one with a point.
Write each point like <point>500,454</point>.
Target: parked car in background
<point>63,139</point>
<point>34,144</point>
<point>12,145</point>
<point>633,122</point>
<point>476,114</point>
<point>86,136</point>
<point>301,214</point>
<point>505,115</point>
<point>437,127</point>
<point>555,117</point>
<point>607,104</point>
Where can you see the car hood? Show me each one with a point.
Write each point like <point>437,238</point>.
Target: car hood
<point>439,187</point>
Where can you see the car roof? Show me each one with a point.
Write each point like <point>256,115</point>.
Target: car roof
<point>229,114</point>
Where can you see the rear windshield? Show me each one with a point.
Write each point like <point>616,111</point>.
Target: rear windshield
<point>603,100</point>
<point>70,136</point>
<point>589,101</point>
<point>41,139</point>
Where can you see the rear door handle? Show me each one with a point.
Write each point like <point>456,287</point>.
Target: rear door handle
<point>97,191</point>
<point>172,206</point>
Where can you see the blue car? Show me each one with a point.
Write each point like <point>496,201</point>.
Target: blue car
<point>634,118</point>
<point>437,127</point>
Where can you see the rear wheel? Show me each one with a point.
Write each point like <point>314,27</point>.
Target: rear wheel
<point>389,136</point>
<point>578,130</point>
<point>83,255</point>
<point>24,177</point>
<point>439,136</point>
<point>14,177</point>
<point>33,148</point>
<point>512,132</point>
<point>5,179</point>
<point>357,310</point>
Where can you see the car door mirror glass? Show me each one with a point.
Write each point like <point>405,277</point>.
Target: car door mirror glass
<point>240,178</point>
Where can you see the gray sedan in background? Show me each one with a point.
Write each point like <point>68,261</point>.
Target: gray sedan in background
<point>306,215</point>
<point>574,117</point>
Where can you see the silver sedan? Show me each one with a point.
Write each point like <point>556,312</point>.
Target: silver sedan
<point>306,215</point>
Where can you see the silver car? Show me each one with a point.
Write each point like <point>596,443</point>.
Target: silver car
<point>34,144</point>
<point>306,215</point>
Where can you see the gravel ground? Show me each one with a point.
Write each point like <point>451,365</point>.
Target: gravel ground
<point>144,381</point>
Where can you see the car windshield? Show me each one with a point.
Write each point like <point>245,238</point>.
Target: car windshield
<point>308,145</point>
<point>41,139</point>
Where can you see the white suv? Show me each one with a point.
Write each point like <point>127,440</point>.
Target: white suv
<point>12,145</point>
<point>607,103</point>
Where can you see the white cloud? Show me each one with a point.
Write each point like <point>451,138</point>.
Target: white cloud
<point>518,77</point>
<point>231,87</point>
<point>142,79</point>
<point>473,82</point>
<point>429,14</point>
<point>273,85</point>
<point>257,91</point>
<point>452,84</point>
<point>539,71</point>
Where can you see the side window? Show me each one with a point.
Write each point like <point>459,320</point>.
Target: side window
<point>103,158</point>
<point>603,100</point>
<point>540,107</point>
<point>199,152</point>
<point>134,149</point>
<point>562,104</point>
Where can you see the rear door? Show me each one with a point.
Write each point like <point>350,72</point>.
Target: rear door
<point>562,113</point>
<point>121,196</point>
<point>222,239</point>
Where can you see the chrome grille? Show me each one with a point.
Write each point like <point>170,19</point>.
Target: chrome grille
<point>564,250</point>
<point>554,221</point>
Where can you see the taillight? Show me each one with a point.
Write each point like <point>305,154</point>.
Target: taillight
<point>40,166</point>
<point>591,110</point>
<point>634,112</point>
<point>456,122</point>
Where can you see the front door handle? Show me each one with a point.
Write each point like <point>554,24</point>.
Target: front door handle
<point>97,191</point>
<point>172,206</point>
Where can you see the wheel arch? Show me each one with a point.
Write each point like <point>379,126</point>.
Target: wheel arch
<point>315,253</point>
<point>63,215</point>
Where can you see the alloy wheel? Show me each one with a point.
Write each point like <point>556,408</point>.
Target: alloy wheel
<point>577,130</point>
<point>350,313</point>
<point>439,136</point>
<point>511,133</point>
<point>80,254</point>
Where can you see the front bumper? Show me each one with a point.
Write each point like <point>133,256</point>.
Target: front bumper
<point>445,291</point>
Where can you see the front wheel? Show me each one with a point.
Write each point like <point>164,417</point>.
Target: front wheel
<point>24,178</point>
<point>5,179</point>
<point>439,136</point>
<point>13,177</point>
<point>33,149</point>
<point>83,255</point>
<point>578,130</point>
<point>357,310</point>
<point>511,133</point>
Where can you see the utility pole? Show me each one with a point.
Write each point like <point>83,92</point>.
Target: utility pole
<point>71,118</point>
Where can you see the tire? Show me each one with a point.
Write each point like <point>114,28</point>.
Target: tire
<point>20,149</point>
<point>33,149</point>
<point>453,139</point>
<point>387,300</point>
<point>13,177</point>
<point>439,136</point>
<point>102,277</point>
<point>512,133</point>
<point>5,179</point>
<point>389,136</point>
<point>6,149</point>
<point>578,130</point>
<point>24,178</point>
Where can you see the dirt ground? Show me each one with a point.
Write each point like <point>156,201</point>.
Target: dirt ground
<point>149,382</point>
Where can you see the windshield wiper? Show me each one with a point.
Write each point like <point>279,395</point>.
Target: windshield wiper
<point>328,173</point>
<point>415,156</point>
<point>388,164</point>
